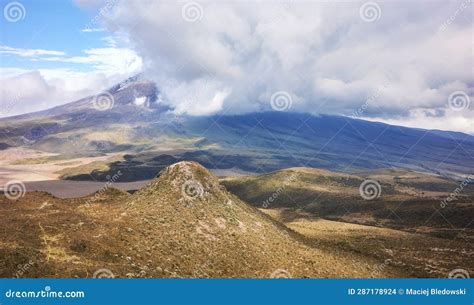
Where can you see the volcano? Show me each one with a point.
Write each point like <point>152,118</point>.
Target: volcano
<point>141,134</point>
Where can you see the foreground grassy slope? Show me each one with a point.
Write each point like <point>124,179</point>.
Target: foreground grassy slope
<point>183,224</point>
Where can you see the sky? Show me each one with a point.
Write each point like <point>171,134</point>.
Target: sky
<point>408,63</point>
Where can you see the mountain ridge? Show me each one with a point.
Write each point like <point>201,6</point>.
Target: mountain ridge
<point>140,78</point>
<point>141,132</point>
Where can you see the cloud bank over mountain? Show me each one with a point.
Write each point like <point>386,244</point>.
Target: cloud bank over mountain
<point>398,62</point>
<point>390,61</point>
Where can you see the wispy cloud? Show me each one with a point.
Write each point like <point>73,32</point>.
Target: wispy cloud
<point>110,60</point>
<point>92,30</point>
<point>107,60</point>
<point>29,52</point>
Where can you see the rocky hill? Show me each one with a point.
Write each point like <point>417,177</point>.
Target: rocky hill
<point>183,224</point>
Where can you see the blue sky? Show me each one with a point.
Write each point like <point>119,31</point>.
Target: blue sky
<point>50,25</point>
<point>400,62</point>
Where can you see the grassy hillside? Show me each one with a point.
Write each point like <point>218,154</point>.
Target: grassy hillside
<point>183,224</point>
<point>422,255</point>
<point>406,199</point>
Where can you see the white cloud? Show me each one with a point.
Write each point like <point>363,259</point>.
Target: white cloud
<point>322,53</point>
<point>106,60</point>
<point>28,52</point>
<point>92,30</point>
<point>440,119</point>
<point>25,90</point>
<point>400,68</point>
<point>186,97</point>
<point>91,4</point>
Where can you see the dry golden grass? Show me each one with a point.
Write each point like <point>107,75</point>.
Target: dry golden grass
<point>161,232</point>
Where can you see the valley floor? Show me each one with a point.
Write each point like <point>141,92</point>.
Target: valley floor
<point>75,189</point>
<point>411,254</point>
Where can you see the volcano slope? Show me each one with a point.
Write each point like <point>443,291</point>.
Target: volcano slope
<point>183,224</point>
